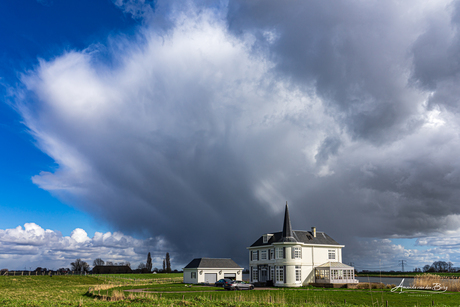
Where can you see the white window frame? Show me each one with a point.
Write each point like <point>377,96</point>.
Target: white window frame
<point>254,256</point>
<point>255,274</point>
<point>280,274</point>
<point>193,275</point>
<point>297,253</point>
<point>279,253</point>
<point>263,255</point>
<point>298,273</point>
<point>331,254</point>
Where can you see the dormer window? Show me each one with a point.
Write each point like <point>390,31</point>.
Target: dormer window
<point>267,237</point>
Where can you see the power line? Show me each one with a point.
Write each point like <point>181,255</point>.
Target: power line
<point>402,264</point>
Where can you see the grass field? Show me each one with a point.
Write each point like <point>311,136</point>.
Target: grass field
<point>167,290</point>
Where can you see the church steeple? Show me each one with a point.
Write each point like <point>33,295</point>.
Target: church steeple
<point>287,229</point>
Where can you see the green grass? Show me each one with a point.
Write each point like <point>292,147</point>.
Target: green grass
<point>404,274</point>
<point>167,290</point>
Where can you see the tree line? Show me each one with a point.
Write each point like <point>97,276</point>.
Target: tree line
<point>439,267</point>
<point>82,266</point>
<point>147,267</point>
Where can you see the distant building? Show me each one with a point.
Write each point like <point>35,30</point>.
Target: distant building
<point>210,270</point>
<point>296,258</point>
<point>111,269</point>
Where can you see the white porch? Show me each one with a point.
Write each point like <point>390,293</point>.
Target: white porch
<point>335,272</point>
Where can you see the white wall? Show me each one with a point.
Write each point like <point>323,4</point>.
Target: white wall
<point>200,277</point>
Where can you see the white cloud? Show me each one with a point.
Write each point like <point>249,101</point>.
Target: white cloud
<point>32,246</point>
<point>216,119</point>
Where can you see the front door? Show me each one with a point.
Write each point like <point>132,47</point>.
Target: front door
<point>263,275</point>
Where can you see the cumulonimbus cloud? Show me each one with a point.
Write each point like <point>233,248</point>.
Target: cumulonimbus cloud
<point>201,132</point>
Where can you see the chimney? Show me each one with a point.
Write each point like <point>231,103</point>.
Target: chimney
<point>313,231</point>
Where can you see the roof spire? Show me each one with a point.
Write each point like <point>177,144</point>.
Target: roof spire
<point>287,229</point>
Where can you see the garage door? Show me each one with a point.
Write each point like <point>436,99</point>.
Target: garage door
<point>230,275</point>
<point>210,278</point>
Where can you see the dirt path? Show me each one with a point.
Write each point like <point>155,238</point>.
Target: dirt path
<point>151,291</point>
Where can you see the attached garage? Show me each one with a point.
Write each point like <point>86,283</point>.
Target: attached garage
<point>210,270</point>
<point>210,278</point>
<point>231,276</point>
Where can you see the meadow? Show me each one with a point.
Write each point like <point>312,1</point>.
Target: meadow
<point>168,290</point>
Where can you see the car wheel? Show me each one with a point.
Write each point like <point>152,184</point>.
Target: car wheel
<point>251,288</point>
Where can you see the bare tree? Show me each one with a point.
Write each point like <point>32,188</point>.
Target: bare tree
<point>141,266</point>
<point>98,261</point>
<point>164,266</point>
<point>80,266</point>
<point>440,266</point>
<point>148,264</point>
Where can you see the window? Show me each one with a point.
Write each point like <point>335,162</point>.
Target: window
<point>279,253</point>
<point>331,254</point>
<point>298,273</point>
<point>272,253</point>
<point>296,253</point>
<point>255,255</point>
<point>322,274</point>
<point>255,274</point>
<point>279,274</point>
<point>272,273</point>
<point>193,275</point>
<point>263,255</point>
<point>267,237</point>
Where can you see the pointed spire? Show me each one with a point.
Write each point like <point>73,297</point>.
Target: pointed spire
<point>287,229</point>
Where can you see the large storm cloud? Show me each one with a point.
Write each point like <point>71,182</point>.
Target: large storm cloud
<point>202,126</point>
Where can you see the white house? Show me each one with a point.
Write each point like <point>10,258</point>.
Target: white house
<point>291,258</point>
<point>210,270</point>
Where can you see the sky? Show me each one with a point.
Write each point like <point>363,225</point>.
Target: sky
<point>133,126</point>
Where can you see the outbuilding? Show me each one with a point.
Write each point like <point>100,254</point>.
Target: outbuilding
<point>210,270</point>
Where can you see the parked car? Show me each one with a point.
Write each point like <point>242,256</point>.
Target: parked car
<point>222,282</point>
<point>238,285</point>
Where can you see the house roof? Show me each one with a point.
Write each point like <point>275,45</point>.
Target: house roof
<point>212,263</point>
<point>299,236</point>
<point>332,264</point>
<point>289,235</point>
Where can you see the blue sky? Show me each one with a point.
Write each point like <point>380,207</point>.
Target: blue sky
<point>148,125</point>
<point>31,30</point>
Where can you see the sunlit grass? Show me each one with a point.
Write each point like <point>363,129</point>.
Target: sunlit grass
<point>168,290</point>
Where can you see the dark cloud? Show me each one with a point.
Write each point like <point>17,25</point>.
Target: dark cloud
<point>436,55</point>
<point>203,130</point>
<point>352,54</point>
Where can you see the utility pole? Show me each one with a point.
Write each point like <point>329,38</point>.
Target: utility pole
<point>402,264</point>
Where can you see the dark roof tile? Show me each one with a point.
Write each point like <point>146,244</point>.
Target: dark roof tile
<point>211,263</point>
<point>300,236</point>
